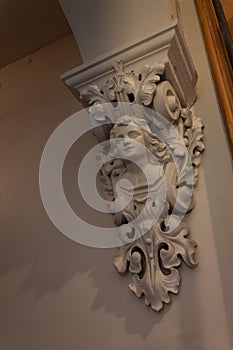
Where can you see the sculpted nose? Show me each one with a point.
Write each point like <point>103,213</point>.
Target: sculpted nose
<point>126,140</point>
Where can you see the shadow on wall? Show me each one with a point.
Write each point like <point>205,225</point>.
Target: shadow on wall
<point>34,103</point>
<point>51,260</point>
<point>30,241</point>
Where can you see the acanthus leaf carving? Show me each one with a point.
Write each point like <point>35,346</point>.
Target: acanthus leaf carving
<point>153,258</point>
<point>127,87</point>
<point>150,77</point>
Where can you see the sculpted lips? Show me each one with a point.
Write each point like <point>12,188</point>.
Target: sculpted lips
<point>128,148</point>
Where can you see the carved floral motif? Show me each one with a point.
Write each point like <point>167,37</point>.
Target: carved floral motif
<point>127,87</point>
<point>153,258</point>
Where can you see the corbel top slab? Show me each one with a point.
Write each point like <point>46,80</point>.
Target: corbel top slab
<point>166,46</point>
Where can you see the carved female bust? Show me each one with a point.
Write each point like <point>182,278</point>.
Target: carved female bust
<point>140,158</point>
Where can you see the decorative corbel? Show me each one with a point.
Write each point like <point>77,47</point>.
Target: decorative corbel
<point>155,81</point>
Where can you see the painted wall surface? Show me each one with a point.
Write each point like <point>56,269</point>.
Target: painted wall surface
<point>103,25</point>
<point>56,294</point>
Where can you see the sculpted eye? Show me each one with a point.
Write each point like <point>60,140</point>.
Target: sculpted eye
<point>133,134</point>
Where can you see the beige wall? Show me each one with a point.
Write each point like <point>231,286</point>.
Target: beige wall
<point>103,25</point>
<point>56,294</point>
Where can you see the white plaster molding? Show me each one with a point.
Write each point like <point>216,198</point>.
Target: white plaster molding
<point>167,47</point>
<point>156,73</point>
<point>153,258</point>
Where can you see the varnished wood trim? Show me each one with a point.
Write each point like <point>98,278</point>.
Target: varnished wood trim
<point>220,65</point>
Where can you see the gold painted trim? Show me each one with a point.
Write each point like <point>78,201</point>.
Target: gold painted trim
<point>220,65</point>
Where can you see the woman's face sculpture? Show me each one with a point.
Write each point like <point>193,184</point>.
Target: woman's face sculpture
<point>131,142</point>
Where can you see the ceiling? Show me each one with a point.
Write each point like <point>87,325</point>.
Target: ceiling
<point>28,25</point>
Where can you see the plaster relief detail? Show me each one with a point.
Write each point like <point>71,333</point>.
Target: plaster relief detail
<point>163,140</point>
<point>167,46</point>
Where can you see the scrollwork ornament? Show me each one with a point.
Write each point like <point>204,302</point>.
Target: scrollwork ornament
<point>153,261</point>
<point>172,134</point>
